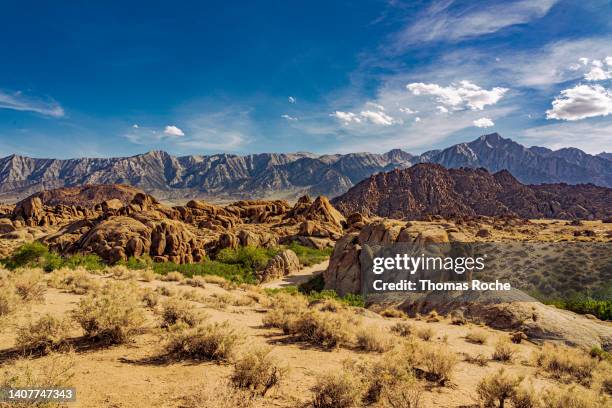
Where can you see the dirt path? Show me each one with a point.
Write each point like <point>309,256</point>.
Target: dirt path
<point>299,277</point>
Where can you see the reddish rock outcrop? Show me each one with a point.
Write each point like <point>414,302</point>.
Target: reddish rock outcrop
<point>430,189</point>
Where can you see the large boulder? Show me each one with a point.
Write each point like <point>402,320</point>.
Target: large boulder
<point>280,265</point>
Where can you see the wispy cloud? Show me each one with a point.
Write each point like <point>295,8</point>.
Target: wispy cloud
<point>20,102</point>
<point>449,21</point>
<point>564,134</point>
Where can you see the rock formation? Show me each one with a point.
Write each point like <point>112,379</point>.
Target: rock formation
<point>429,189</point>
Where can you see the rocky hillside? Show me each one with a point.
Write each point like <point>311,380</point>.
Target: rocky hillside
<point>430,189</point>
<point>225,177</point>
<point>87,196</point>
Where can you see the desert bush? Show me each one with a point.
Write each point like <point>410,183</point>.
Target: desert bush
<point>404,394</point>
<point>215,341</point>
<point>167,291</point>
<point>44,335</point>
<point>573,397</point>
<point>283,309</point>
<point>525,396</point>
<point>336,390</point>
<point>147,275</point>
<point>504,350</point>
<point>196,282</point>
<point>53,371</point>
<point>402,329</point>
<point>323,329</point>
<point>493,390</point>
<point>567,364</point>
<point>177,310</point>
<point>29,284</point>
<point>31,254</point>
<point>257,371</point>
<point>150,298</point>
<point>439,362</point>
<point>385,374</point>
<point>372,339</point>
<point>90,262</point>
<point>433,317</point>
<point>477,336</point>
<point>602,378</point>
<point>173,276</point>
<point>478,359</point>
<point>425,333</point>
<point>77,281</point>
<point>9,299</point>
<point>218,396</point>
<point>122,272</point>
<point>457,318</point>
<point>111,315</point>
<point>392,312</point>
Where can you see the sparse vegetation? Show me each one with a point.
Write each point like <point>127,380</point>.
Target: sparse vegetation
<point>257,372</point>
<point>336,390</point>
<point>372,339</point>
<point>43,335</point>
<point>566,364</point>
<point>493,390</point>
<point>112,315</point>
<point>477,336</point>
<point>180,311</point>
<point>424,333</point>
<point>402,329</point>
<point>214,341</point>
<point>504,350</point>
<point>439,362</point>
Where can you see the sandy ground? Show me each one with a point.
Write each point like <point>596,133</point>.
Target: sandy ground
<point>128,376</point>
<point>299,277</point>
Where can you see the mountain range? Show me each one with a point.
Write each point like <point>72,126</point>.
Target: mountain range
<point>222,177</point>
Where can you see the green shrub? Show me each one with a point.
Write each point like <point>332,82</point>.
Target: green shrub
<point>31,254</point>
<point>91,262</point>
<point>249,257</point>
<point>310,256</point>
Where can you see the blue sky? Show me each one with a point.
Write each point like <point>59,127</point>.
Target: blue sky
<point>117,79</point>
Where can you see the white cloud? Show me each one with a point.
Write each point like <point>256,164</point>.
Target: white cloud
<point>608,61</point>
<point>584,61</point>
<point>20,102</point>
<point>444,22</point>
<point>458,96</point>
<point>376,105</point>
<point>291,99</point>
<point>289,117</point>
<point>374,117</point>
<point>346,117</point>
<point>580,102</point>
<point>564,134</point>
<point>408,111</point>
<point>598,74</point>
<point>135,126</point>
<point>442,109</point>
<point>483,123</point>
<point>417,119</point>
<point>378,118</point>
<point>172,130</point>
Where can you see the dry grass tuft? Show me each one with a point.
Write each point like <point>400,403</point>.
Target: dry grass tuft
<point>180,311</point>
<point>55,370</point>
<point>173,277</point>
<point>372,339</point>
<point>402,329</point>
<point>196,282</point>
<point>457,318</point>
<point>439,362</point>
<point>257,372</point>
<point>425,333</point>
<point>337,390</point>
<point>323,329</point>
<point>574,397</point>
<point>77,281</point>
<point>433,317</point>
<point>494,389</point>
<point>219,396</point>
<point>566,364</point>
<point>205,342</point>
<point>147,275</point>
<point>44,335</point>
<point>393,313</point>
<point>479,359</point>
<point>477,336</point>
<point>284,309</point>
<point>504,350</point>
<point>29,284</point>
<point>150,298</point>
<point>112,315</point>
